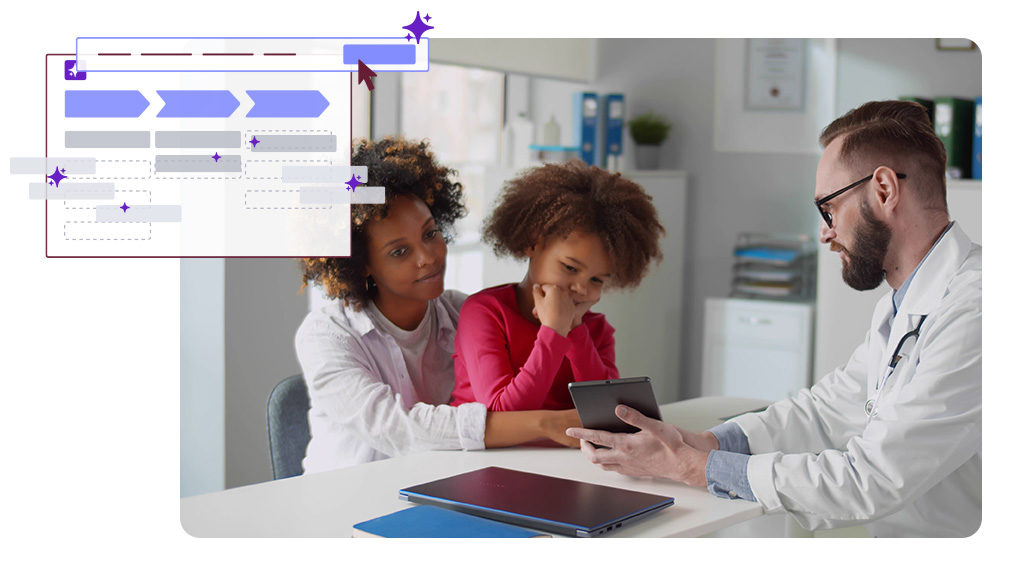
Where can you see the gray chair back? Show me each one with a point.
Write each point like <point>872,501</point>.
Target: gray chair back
<point>288,426</point>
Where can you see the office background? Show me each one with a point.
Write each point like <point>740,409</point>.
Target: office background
<point>239,315</point>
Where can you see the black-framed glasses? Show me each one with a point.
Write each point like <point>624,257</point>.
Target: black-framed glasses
<point>827,216</point>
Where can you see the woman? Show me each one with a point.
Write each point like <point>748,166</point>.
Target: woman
<point>378,362</point>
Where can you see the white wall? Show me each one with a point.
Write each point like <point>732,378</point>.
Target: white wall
<point>202,376</point>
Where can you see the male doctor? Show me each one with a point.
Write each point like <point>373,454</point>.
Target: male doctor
<point>892,439</point>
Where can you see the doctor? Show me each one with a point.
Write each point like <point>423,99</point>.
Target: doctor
<point>892,439</point>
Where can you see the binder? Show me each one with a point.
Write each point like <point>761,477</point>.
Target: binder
<point>976,148</point>
<point>613,115</point>
<point>585,125</point>
<point>428,521</point>
<point>954,125</point>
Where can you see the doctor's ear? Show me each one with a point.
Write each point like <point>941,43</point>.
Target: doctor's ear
<point>887,186</point>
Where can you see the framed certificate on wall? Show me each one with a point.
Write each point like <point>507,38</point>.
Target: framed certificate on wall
<point>776,72</point>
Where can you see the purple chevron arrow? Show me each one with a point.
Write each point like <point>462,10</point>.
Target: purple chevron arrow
<point>104,104</point>
<point>286,104</point>
<point>197,104</point>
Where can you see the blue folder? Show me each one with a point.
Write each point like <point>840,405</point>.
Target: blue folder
<point>427,521</point>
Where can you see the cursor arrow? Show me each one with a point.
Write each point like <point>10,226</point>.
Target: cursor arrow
<point>366,75</point>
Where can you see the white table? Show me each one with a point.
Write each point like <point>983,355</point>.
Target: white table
<point>328,504</point>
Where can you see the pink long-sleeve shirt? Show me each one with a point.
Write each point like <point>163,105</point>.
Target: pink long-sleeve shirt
<point>510,363</point>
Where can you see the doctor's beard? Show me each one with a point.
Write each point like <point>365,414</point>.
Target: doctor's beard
<point>864,269</point>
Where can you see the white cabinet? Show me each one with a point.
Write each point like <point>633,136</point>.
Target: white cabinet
<point>757,349</point>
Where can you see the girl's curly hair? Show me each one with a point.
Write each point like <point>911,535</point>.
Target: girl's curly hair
<point>553,200</point>
<point>402,167</point>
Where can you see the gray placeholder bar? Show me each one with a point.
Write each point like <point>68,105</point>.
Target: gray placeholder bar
<point>46,166</point>
<point>137,214</point>
<point>341,195</point>
<point>321,174</point>
<point>296,143</point>
<point>210,140</point>
<point>198,164</point>
<point>71,191</point>
<point>134,139</point>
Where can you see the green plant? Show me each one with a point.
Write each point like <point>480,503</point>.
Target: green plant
<point>649,129</point>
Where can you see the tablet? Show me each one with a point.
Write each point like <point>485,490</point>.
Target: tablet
<point>595,402</point>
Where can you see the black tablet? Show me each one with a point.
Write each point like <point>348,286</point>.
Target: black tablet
<point>595,402</point>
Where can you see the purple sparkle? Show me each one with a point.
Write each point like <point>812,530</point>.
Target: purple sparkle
<point>254,141</point>
<point>56,176</point>
<point>353,182</point>
<point>427,18</point>
<point>408,37</point>
<point>124,207</point>
<point>418,27</point>
<point>216,157</point>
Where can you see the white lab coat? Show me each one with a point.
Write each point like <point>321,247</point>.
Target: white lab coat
<point>914,469</point>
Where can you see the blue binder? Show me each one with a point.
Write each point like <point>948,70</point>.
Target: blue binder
<point>613,114</point>
<point>976,148</point>
<point>585,125</point>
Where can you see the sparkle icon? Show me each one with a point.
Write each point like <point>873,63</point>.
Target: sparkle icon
<point>56,176</point>
<point>254,141</point>
<point>418,28</point>
<point>216,157</point>
<point>353,182</point>
<point>124,207</point>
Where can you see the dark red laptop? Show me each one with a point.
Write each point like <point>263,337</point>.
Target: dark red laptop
<point>552,504</point>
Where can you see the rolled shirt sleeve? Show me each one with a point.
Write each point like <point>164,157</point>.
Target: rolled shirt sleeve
<point>726,471</point>
<point>471,420</point>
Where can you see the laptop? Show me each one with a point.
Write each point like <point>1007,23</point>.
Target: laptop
<point>561,506</point>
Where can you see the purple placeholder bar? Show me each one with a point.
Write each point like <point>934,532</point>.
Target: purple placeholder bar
<point>372,54</point>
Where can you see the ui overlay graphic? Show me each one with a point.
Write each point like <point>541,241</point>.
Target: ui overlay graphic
<point>206,147</point>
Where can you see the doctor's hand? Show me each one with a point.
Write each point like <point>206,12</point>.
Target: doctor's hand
<point>657,450</point>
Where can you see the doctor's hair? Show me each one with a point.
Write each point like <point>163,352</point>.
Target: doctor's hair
<point>402,167</point>
<point>894,133</point>
<point>554,200</point>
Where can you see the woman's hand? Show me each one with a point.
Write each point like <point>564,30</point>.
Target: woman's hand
<point>554,308</point>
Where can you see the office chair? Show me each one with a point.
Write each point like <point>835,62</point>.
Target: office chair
<point>287,426</point>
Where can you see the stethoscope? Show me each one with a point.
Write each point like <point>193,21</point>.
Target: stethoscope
<point>871,406</point>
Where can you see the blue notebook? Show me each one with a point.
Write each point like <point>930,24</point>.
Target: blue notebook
<point>427,521</point>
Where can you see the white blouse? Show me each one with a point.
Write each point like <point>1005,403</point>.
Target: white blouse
<point>365,402</point>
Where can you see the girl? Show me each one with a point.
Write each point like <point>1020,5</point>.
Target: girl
<point>583,229</point>
<point>378,362</point>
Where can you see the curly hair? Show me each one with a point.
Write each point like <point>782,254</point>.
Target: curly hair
<point>553,200</point>
<point>402,167</point>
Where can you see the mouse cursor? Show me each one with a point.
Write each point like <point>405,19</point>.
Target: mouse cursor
<point>366,75</point>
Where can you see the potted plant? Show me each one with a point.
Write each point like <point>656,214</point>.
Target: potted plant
<point>648,131</point>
